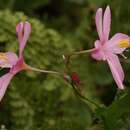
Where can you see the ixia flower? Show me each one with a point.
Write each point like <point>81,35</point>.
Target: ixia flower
<point>16,63</point>
<point>108,50</point>
<point>11,60</point>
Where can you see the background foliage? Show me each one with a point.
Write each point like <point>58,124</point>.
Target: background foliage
<point>36,101</point>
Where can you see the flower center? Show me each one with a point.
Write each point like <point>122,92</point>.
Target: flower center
<point>3,57</point>
<point>4,61</point>
<point>124,43</point>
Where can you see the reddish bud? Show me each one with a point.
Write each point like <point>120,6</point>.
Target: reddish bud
<point>75,78</point>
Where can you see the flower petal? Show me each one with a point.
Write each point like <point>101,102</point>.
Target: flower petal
<point>8,59</point>
<point>116,69</point>
<point>106,23</point>
<point>19,31</point>
<point>98,20</point>
<point>27,31</point>
<point>23,31</point>
<point>115,44</point>
<point>98,54</point>
<point>4,82</point>
<point>13,58</point>
<point>18,66</point>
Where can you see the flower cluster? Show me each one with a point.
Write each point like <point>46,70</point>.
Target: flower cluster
<point>105,49</point>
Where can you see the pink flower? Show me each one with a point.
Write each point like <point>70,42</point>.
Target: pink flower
<point>108,50</point>
<point>11,60</point>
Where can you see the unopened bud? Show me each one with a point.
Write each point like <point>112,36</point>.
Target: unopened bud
<point>75,78</point>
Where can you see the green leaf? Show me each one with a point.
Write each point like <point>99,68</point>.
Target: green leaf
<point>113,114</point>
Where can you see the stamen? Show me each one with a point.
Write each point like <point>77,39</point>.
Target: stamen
<point>4,60</point>
<point>3,56</point>
<point>63,56</point>
<point>123,56</point>
<point>127,50</point>
<point>124,43</point>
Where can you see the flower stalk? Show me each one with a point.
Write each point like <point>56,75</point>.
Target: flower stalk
<point>83,97</point>
<point>43,71</point>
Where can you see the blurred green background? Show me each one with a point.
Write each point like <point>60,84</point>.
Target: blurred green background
<point>37,101</point>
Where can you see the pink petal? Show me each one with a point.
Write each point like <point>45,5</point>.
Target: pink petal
<point>97,54</point>
<point>97,44</point>
<point>116,69</point>
<point>18,66</point>
<point>23,31</point>
<point>19,31</point>
<point>4,82</point>
<point>27,31</point>
<point>113,44</point>
<point>8,59</point>
<point>106,23</point>
<point>98,20</point>
<point>13,58</point>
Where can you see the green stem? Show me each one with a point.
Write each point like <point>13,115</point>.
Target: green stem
<point>61,74</point>
<point>80,52</point>
<point>83,97</point>
<point>67,57</point>
<point>44,71</point>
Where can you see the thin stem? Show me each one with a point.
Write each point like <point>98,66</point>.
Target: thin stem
<point>68,57</point>
<point>83,97</point>
<point>80,52</point>
<point>44,71</point>
<point>61,74</point>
